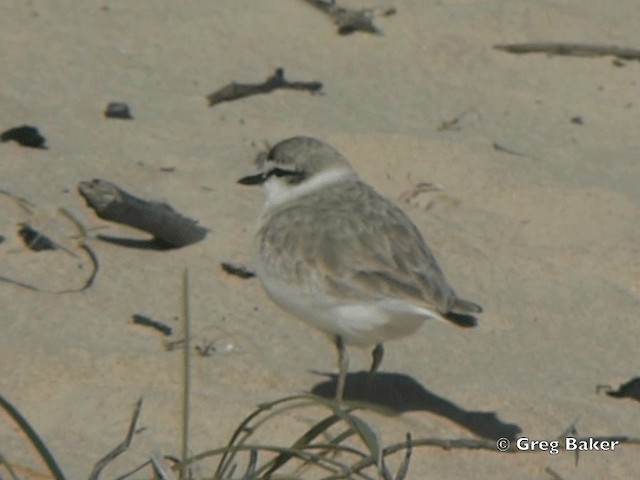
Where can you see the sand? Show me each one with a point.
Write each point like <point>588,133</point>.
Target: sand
<point>536,219</point>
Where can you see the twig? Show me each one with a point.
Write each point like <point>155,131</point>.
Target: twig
<point>124,445</point>
<point>23,203</point>
<point>349,21</point>
<point>571,430</point>
<point>76,223</point>
<point>237,270</point>
<point>149,322</point>
<point>404,467</point>
<point>235,91</point>
<point>499,148</point>
<point>94,272</point>
<point>113,204</point>
<point>572,49</point>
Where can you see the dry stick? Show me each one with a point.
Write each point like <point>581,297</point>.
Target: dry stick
<point>572,49</point>
<point>83,245</point>
<point>77,223</point>
<point>348,20</point>
<point>21,284</point>
<point>237,270</point>
<point>404,467</point>
<point>23,203</point>
<point>235,91</point>
<point>184,468</point>
<point>87,283</point>
<point>94,272</point>
<point>99,466</point>
<point>113,204</point>
<point>499,148</point>
<point>149,322</point>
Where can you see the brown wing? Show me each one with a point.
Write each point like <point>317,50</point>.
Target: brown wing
<point>351,243</point>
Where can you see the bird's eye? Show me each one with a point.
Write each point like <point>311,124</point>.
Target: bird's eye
<point>290,176</point>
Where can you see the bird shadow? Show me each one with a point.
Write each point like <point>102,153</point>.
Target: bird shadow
<point>401,393</point>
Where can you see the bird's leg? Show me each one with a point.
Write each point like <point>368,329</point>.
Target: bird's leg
<point>343,366</point>
<point>376,356</point>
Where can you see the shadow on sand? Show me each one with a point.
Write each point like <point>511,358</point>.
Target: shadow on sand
<point>401,393</point>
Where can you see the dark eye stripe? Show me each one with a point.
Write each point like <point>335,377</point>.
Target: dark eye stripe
<point>291,176</point>
<point>281,172</point>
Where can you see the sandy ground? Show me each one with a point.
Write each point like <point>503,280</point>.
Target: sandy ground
<point>544,236</point>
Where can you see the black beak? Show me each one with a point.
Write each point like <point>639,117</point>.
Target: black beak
<point>258,179</point>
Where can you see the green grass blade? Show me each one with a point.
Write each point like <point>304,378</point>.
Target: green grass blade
<point>34,438</point>
<point>300,444</point>
<point>242,432</point>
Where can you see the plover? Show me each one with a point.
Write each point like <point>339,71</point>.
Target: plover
<point>333,252</point>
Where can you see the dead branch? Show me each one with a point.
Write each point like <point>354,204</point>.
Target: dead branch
<point>121,447</point>
<point>235,91</point>
<point>572,50</point>
<point>113,204</point>
<point>348,20</point>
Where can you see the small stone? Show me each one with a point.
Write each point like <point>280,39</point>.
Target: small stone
<point>118,110</point>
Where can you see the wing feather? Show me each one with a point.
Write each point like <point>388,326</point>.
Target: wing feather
<point>348,242</point>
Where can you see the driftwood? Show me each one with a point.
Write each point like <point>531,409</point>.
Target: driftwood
<point>572,49</point>
<point>235,91</point>
<point>348,20</point>
<point>113,204</point>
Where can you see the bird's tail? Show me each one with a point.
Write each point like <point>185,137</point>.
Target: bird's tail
<point>460,305</point>
<point>460,313</point>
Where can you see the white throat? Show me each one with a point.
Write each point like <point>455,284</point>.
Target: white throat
<point>279,192</point>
